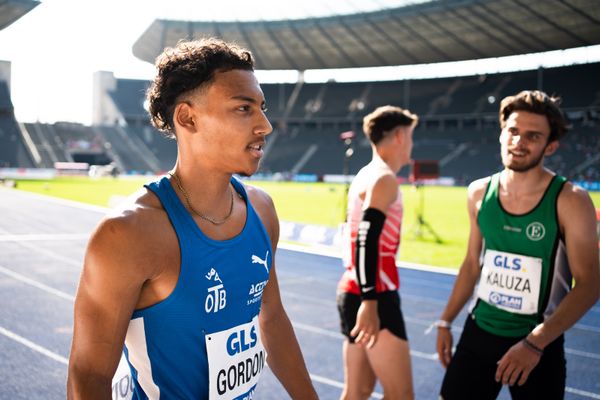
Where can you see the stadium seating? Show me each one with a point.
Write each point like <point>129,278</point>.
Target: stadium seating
<point>13,152</point>
<point>458,125</point>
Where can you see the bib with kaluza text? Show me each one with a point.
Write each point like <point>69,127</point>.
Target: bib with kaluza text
<point>510,281</point>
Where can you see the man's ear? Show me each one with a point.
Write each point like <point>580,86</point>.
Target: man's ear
<point>399,134</point>
<point>183,116</point>
<point>551,148</point>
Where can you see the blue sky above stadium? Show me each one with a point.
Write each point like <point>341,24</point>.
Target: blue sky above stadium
<point>55,49</point>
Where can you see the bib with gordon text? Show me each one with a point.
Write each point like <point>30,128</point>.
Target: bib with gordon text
<point>236,358</point>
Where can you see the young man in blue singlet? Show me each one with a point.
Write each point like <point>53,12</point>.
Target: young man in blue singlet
<point>183,275</point>
<point>532,234</point>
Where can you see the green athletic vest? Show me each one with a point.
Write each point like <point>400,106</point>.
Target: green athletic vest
<point>506,239</point>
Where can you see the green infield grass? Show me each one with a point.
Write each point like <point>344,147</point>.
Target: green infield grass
<point>444,209</point>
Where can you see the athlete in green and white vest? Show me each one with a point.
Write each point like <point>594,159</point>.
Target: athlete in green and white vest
<point>525,272</point>
<point>532,235</point>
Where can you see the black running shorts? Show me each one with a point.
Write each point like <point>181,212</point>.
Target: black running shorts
<point>472,369</point>
<point>388,307</point>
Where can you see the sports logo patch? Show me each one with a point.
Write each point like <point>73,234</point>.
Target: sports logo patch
<point>504,300</point>
<point>535,231</point>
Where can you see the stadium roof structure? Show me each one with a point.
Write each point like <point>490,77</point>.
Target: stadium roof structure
<point>435,31</point>
<point>12,10</point>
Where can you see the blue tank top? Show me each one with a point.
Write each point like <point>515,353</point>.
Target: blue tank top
<point>211,314</point>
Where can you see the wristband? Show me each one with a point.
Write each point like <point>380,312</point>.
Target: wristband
<point>440,323</point>
<point>532,347</point>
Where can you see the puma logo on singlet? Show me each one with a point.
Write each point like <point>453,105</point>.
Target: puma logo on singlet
<point>213,274</point>
<point>258,260</point>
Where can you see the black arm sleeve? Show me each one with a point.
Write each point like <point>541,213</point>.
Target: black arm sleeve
<point>367,251</point>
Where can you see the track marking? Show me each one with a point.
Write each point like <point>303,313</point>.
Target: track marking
<point>34,283</point>
<point>580,353</point>
<point>332,252</point>
<point>56,256</point>
<point>33,346</point>
<point>588,328</point>
<point>300,249</point>
<point>582,393</point>
<point>320,331</point>
<point>339,385</point>
<point>431,357</point>
<point>58,200</point>
<point>36,237</point>
<point>337,335</point>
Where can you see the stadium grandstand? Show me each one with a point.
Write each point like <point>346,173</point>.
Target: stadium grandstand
<point>13,151</point>
<point>458,129</point>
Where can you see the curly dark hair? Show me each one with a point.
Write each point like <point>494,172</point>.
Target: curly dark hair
<point>186,67</point>
<point>537,102</point>
<point>384,119</point>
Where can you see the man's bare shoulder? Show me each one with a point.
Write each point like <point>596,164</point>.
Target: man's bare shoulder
<point>134,214</point>
<point>131,233</point>
<point>574,199</point>
<point>259,198</point>
<point>265,208</point>
<point>574,194</point>
<point>478,187</point>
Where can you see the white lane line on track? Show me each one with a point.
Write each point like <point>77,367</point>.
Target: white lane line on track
<point>582,393</point>
<point>340,385</point>
<point>337,335</point>
<point>52,254</point>
<point>327,251</point>
<point>320,331</point>
<point>33,346</point>
<point>56,357</point>
<point>588,328</point>
<point>327,381</point>
<point>412,320</point>
<point>426,356</point>
<point>34,283</point>
<point>580,353</point>
<point>36,237</point>
<point>37,249</point>
<point>58,200</point>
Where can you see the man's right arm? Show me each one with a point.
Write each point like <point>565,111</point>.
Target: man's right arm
<point>467,275</point>
<point>106,297</point>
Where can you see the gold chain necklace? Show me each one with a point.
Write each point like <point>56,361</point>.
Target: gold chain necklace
<point>189,203</point>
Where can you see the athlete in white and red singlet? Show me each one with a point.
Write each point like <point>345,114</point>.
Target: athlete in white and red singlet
<point>376,346</point>
<point>389,240</point>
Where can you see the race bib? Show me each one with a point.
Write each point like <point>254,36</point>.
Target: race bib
<point>510,282</point>
<point>236,358</point>
<point>122,383</point>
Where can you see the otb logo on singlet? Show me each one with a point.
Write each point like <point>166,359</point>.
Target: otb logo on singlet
<point>535,231</point>
<point>216,299</point>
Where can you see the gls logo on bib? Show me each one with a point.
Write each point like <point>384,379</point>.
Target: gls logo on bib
<point>236,359</point>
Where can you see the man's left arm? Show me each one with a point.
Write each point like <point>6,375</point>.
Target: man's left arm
<point>283,351</point>
<point>577,221</point>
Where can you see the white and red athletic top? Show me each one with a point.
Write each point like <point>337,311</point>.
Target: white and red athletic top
<point>389,240</point>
